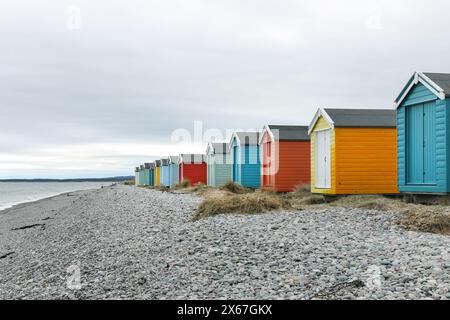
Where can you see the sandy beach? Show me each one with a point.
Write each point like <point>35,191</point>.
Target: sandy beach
<point>125,242</point>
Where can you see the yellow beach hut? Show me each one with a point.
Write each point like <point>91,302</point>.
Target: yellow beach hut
<point>353,151</point>
<point>157,173</point>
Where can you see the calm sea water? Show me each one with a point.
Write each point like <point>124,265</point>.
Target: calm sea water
<point>12,193</point>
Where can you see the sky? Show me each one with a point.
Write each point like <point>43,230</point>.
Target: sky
<point>94,88</point>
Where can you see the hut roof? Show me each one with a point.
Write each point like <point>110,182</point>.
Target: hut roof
<point>173,159</point>
<point>192,158</point>
<point>356,118</point>
<point>287,133</point>
<point>442,80</point>
<point>218,148</point>
<point>437,83</point>
<point>246,138</point>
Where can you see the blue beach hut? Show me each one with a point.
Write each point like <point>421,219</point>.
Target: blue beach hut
<point>173,170</point>
<point>141,174</point>
<point>423,134</point>
<point>245,159</point>
<point>146,174</point>
<point>165,173</point>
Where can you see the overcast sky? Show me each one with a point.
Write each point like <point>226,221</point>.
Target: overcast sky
<point>93,88</point>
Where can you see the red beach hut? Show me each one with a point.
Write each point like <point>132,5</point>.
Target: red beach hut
<point>192,167</point>
<point>285,157</point>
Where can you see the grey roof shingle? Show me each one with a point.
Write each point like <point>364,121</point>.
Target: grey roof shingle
<point>441,79</point>
<point>248,138</point>
<point>193,158</point>
<point>220,147</point>
<point>363,118</point>
<point>290,133</point>
<point>173,159</point>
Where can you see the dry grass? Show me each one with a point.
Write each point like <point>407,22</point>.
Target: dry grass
<point>162,189</point>
<point>233,198</point>
<point>303,188</point>
<point>435,219</point>
<point>235,188</point>
<point>379,203</point>
<point>249,203</point>
<point>301,197</point>
<point>199,189</point>
<point>181,185</point>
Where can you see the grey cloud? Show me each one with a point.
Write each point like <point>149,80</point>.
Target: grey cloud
<point>137,70</point>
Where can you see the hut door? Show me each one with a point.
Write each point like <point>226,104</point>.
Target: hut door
<point>421,144</point>
<point>235,164</point>
<point>323,161</point>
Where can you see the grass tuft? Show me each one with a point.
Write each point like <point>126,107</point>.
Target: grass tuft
<point>302,188</point>
<point>234,188</point>
<point>235,199</point>
<point>427,220</point>
<point>163,189</point>
<point>182,185</point>
<point>250,203</point>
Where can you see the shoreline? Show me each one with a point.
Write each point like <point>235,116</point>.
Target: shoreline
<point>20,205</point>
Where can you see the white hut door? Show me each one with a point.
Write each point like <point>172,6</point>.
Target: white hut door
<point>323,161</point>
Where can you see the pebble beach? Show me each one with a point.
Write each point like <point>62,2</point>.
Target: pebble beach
<point>124,242</point>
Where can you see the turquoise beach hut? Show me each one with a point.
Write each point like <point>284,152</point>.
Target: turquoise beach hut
<point>173,171</point>
<point>165,173</point>
<point>141,175</point>
<point>423,134</point>
<point>218,163</point>
<point>147,174</point>
<point>245,159</point>
<point>152,175</point>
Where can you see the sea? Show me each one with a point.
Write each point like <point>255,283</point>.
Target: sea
<point>13,193</point>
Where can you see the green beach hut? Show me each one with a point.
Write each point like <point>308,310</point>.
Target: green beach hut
<point>218,163</point>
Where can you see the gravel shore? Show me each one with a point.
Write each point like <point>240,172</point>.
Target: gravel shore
<point>132,243</point>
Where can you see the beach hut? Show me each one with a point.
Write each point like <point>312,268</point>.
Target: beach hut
<point>152,174</point>
<point>245,159</point>
<point>141,174</point>
<point>192,168</point>
<point>164,179</point>
<point>157,178</point>
<point>218,163</point>
<point>353,151</point>
<point>136,176</point>
<point>173,171</point>
<point>423,134</point>
<point>285,157</point>
<point>146,174</point>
